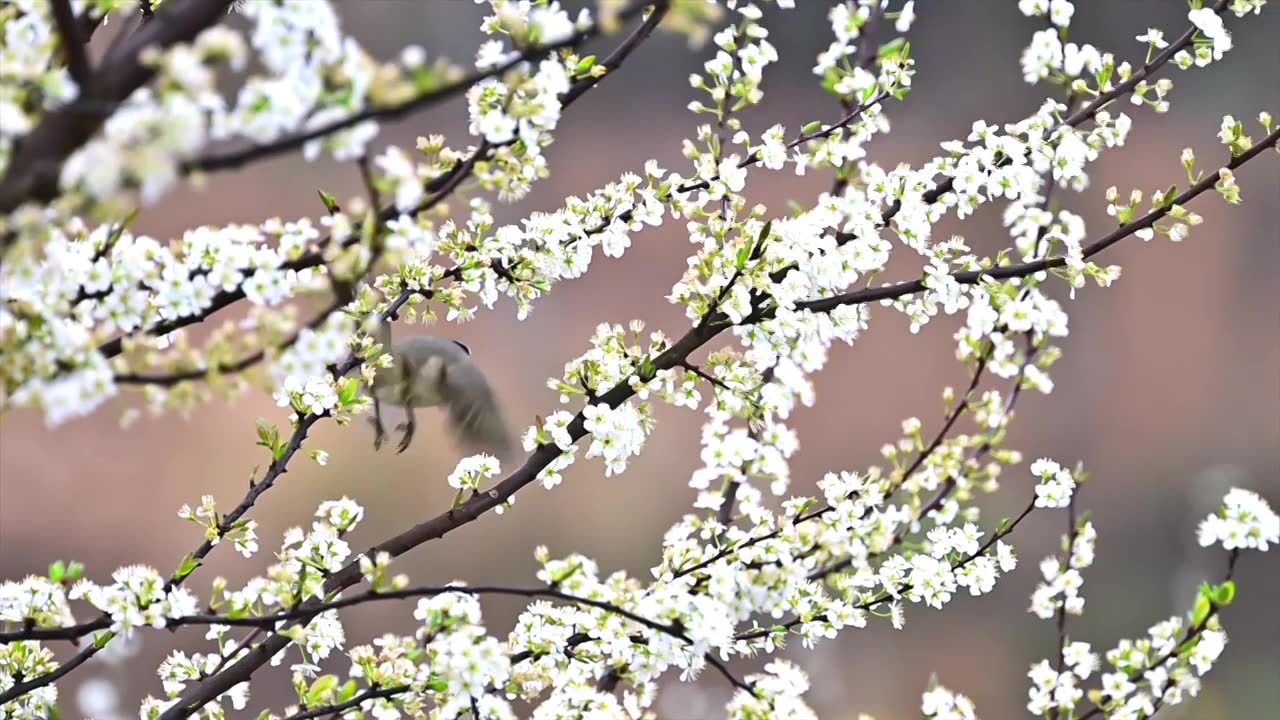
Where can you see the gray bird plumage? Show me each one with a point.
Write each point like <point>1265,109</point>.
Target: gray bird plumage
<point>434,371</point>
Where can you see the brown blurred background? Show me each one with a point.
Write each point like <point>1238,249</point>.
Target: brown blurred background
<point>1168,390</point>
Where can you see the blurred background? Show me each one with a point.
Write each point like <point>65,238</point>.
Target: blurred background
<point>1169,389</point>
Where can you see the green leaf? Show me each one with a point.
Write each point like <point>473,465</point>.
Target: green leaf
<point>370,228</point>
<point>268,435</point>
<point>57,571</point>
<point>330,202</point>
<point>647,370</point>
<point>320,688</point>
<point>348,691</point>
<point>350,387</point>
<point>892,47</point>
<point>810,127</point>
<point>122,226</point>
<point>1104,76</point>
<point>585,64</point>
<point>1203,606</point>
<point>187,566</point>
<point>762,238</point>
<point>101,639</point>
<point>1224,594</point>
<point>740,261</point>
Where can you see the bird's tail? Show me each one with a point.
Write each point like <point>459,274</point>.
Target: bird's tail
<point>480,427</point>
<point>475,417</point>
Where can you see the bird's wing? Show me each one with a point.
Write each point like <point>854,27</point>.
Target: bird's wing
<point>474,415</point>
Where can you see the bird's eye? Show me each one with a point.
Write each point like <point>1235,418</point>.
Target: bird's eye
<point>460,344</point>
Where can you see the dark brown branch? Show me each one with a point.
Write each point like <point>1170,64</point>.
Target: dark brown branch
<point>277,468</point>
<point>884,595</point>
<point>1192,633</point>
<point>35,683</point>
<point>355,702</point>
<point>949,485</point>
<point>310,610</point>
<point>205,691</point>
<point>1085,113</point>
<point>238,366</point>
<point>439,187</point>
<point>1141,73</point>
<point>72,42</point>
<point>33,172</point>
<point>1061,621</point>
<point>1004,272</point>
<point>70,632</point>
<point>894,291</point>
<point>237,158</point>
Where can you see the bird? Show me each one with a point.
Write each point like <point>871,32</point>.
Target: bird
<point>430,371</point>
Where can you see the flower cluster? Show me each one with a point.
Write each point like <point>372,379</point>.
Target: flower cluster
<point>1055,486</point>
<point>1244,522</point>
<point>471,470</point>
<point>139,597</point>
<point>943,704</point>
<point>1060,589</point>
<point>242,533</point>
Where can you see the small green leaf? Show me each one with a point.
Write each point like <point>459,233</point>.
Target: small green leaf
<point>57,571</point>
<point>330,202</point>
<point>585,64</point>
<point>1202,607</point>
<point>267,433</point>
<point>892,47</point>
<point>370,228</point>
<point>810,127</point>
<point>187,566</point>
<point>1224,594</point>
<point>320,688</point>
<point>350,387</point>
<point>647,370</point>
<point>348,691</point>
<point>762,238</point>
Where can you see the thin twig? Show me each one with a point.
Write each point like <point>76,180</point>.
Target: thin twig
<point>238,158</point>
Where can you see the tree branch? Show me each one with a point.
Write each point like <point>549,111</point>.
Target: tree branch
<point>890,292</point>
<point>178,376</point>
<point>33,172</point>
<point>72,42</point>
<point>1085,113</point>
<point>228,160</point>
<point>884,595</point>
<point>205,691</point>
<point>439,187</point>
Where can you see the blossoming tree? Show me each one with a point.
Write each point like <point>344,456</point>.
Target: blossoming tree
<point>89,308</point>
